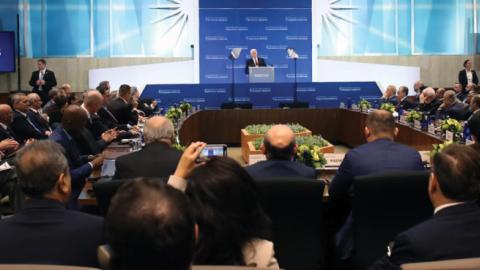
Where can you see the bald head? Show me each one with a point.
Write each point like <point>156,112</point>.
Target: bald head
<point>93,101</point>
<point>6,115</point>
<point>74,120</point>
<point>158,129</point>
<point>279,143</point>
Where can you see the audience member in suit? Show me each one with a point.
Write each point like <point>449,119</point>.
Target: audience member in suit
<point>440,93</point>
<point>35,113</point>
<point>141,234</point>
<point>390,95</point>
<point>457,87</point>
<point>51,99</point>
<point>379,154</point>
<point>474,125</point>
<point>107,119</point>
<point>148,106</point>
<point>73,123</point>
<point>451,107</point>
<point>23,126</point>
<point>233,227</point>
<point>467,75</point>
<point>280,149</point>
<point>254,61</point>
<point>474,106</point>
<point>462,96</point>
<point>418,87</point>
<point>454,230</point>
<point>157,159</point>
<point>428,101</point>
<point>55,112</point>
<point>6,119</point>
<point>402,97</point>
<point>121,108</point>
<point>94,139</point>
<point>42,80</point>
<point>44,232</point>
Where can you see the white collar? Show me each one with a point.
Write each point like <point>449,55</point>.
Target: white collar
<point>33,110</point>
<point>441,207</point>
<point>22,113</point>
<point>3,126</point>
<point>85,109</point>
<point>126,102</point>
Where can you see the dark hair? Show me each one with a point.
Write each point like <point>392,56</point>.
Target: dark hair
<point>53,93</point>
<point>43,61</point>
<point>103,86</point>
<point>39,166</point>
<point>150,223</point>
<point>474,125</point>
<point>465,63</point>
<point>403,89</point>
<point>227,209</point>
<point>380,122</point>
<point>273,152</point>
<point>124,89</point>
<point>458,172</point>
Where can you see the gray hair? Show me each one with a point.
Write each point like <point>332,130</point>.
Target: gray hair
<point>16,98</point>
<point>429,92</point>
<point>154,131</point>
<point>39,165</point>
<point>32,97</point>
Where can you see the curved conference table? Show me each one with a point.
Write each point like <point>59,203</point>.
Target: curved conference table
<point>339,126</point>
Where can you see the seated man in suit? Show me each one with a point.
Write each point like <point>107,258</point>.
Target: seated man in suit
<point>474,126</point>
<point>390,95</point>
<point>22,124</point>
<point>95,136</point>
<point>280,149</point>
<point>142,234</point>
<point>6,119</point>
<point>418,87</point>
<point>454,230</point>
<point>44,232</point>
<point>451,107</point>
<point>36,115</point>
<point>474,106</point>
<point>73,122</point>
<point>428,101</point>
<point>254,61</point>
<point>157,159</point>
<point>379,154</point>
<point>402,97</point>
<point>121,108</point>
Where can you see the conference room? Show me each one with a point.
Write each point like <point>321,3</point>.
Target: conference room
<point>208,134</point>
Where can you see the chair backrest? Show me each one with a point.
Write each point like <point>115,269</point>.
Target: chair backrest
<point>384,205</point>
<point>295,207</point>
<point>42,267</point>
<point>462,264</point>
<point>104,192</point>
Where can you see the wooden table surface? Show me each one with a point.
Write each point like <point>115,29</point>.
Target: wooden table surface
<point>338,126</point>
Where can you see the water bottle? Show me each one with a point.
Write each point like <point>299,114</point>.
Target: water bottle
<point>349,103</point>
<point>375,104</point>
<point>466,132</point>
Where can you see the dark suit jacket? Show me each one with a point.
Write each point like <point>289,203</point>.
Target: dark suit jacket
<point>38,120</point>
<point>50,81</point>
<point>378,156</point>
<point>405,104</point>
<point>452,233</point>
<point>96,126</point>
<point>250,63</point>
<point>9,134</point>
<point>144,105</point>
<point>155,160</point>
<point>44,232</point>
<point>392,100</point>
<point>457,111</point>
<point>122,111</point>
<point>24,130</point>
<point>80,170</point>
<point>280,168</point>
<point>463,80</point>
<point>88,145</point>
<point>430,108</point>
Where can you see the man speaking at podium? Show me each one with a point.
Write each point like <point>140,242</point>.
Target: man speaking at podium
<point>254,61</point>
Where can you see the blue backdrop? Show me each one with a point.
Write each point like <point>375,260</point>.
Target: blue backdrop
<point>254,24</point>
<point>262,96</point>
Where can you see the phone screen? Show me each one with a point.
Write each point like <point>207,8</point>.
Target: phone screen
<point>212,150</point>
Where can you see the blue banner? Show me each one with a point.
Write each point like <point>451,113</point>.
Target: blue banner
<point>252,24</point>
<point>263,96</point>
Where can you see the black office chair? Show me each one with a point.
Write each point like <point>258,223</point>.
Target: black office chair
<point>384,205</point>
<point>104,191</point>
<point>295,207</point>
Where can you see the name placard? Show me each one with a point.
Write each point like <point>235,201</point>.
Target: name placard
<point>431,129</point>
<point>334,160</point>
<point>449,135</point>
<point>417,124</point>
<point>252,159</point>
